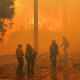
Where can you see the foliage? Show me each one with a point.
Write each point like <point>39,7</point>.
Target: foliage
<point>6,12</point>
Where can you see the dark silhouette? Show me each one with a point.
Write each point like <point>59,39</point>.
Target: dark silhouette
<point>65,44</point>
<point>30,56</point>
<point>20,54</point>
<point>54,52</point>
<point>6,12</point>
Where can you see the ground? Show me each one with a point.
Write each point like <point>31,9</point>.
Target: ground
<point>43,69</point>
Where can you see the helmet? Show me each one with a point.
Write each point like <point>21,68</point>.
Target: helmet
<point>19,45</point>
<point>63,37</point>
<point>53,41</point>
<point>28,46</point>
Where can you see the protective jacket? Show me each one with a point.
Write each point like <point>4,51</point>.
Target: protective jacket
<point>32,54</point>
<point>19,52</point>
<point>54,49</point>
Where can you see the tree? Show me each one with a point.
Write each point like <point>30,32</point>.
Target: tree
<point>6,12</point>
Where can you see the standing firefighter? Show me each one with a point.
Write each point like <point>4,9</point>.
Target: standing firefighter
<point>54,52</point>
<point>66,45</point>
<point>30,56</point>
<point>20,54</point>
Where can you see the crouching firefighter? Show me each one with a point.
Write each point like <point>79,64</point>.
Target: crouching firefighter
<point>53,52</point>
<point>20,54</point>
<point>30,55</point>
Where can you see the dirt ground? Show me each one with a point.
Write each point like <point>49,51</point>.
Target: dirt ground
<point>43,69</point>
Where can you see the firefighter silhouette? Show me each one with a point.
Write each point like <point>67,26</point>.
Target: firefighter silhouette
<point>30,55</point>
<point>53,52</point>
<point>20,54</point>
<point>65,44</point>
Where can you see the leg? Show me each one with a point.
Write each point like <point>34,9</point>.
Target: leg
<point>17,71</point>
<point>18,68</point>
<point>55,60</point>
<point>21,64</point>
<point>51,58</point>
<point>32,66</point>
<point>28,65</point>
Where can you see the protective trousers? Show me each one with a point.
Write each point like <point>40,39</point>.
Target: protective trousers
<point>53,59</point>
<point>30,64</point>
<point>20,65</point>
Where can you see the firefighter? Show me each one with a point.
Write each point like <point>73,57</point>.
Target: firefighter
<point>20,54</point>
<point>30,55</point>
<point>65,44</point>
<point>53,52</point>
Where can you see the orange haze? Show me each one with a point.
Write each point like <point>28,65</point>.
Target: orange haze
<point>53,24</point>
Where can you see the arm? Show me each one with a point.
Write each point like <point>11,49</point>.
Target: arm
<point>50,49</point>
<point>22,53</point>
<point>57,49</point>
<point>34,53</point>
<point>16,52</point>
<point>26,54</point>
<point>61,44</point>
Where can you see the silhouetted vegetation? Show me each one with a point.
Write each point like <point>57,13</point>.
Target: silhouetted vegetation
<point>6,12</point>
